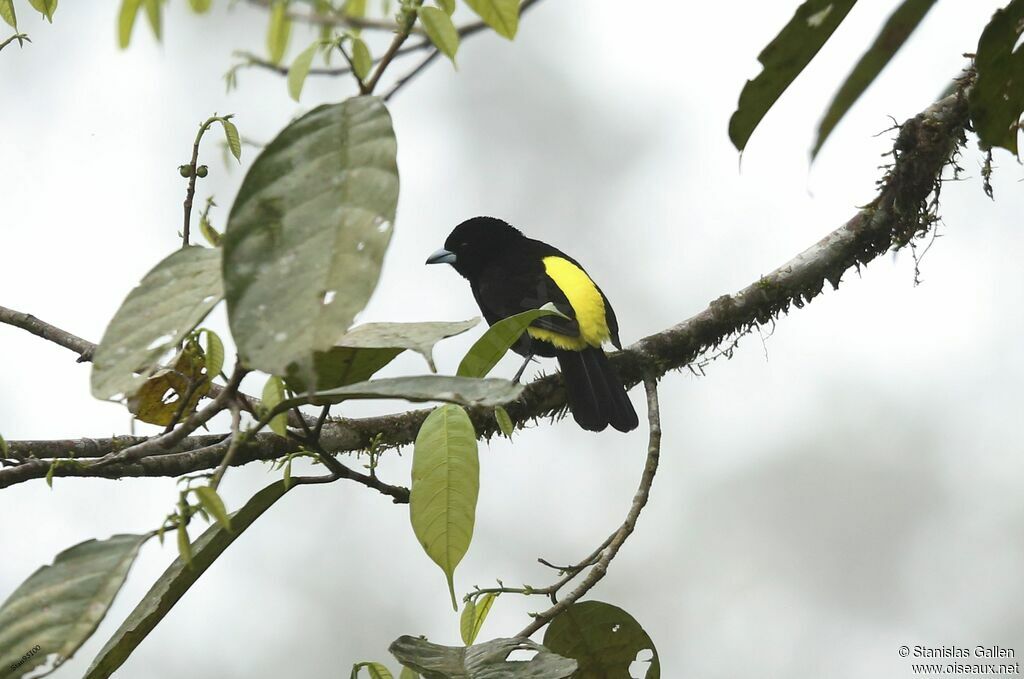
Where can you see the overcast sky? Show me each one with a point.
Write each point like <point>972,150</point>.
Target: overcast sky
<point>845,486</point>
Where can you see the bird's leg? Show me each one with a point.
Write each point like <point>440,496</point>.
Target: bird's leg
<point>522,368</point>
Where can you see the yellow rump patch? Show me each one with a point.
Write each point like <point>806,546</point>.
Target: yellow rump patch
<point>586,301</point>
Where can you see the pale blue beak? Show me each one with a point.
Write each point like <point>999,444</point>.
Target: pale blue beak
<point>442,256</point>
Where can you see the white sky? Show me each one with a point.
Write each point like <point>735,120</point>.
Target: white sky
<point>857,490</point>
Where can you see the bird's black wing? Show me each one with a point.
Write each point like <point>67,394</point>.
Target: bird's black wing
<point>517,285</point>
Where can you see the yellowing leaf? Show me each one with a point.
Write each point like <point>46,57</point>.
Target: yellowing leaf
<point>445,485</point>
<point>440,30</point>
<point>159,398</point>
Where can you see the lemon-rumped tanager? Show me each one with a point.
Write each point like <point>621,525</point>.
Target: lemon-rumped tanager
<point>510,273</point>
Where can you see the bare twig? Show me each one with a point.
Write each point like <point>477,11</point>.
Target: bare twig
<point>191,171</point>
<point>236,438</point>
<point>401,82</point>
<point>408,21</point>
<point>22,38</point>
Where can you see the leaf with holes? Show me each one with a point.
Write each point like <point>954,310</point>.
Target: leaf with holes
<point>499,338</point>
<point>445,485</point>
<point>177,580</point>
<point>155,317</point>
<point>488,660</point>
<point>160,397</point>
<point>501,15</point>
<point>604,639</point>
<point>997,97</point>
<point>783,60</point>
<point>59,606</point>
<point>307,234</point>
<point>897,29</point>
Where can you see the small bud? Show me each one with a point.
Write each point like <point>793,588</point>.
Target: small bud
<point>186,170</point>
<point>201,171</point>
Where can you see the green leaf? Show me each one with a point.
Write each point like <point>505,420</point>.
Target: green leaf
<point>177,580</point>
<point>126,21</point>
<point>418,388</point>
<point>214,352</point>
<point>154,14</point>
<point>214,505</point>
<point>488,350</point>
<point>59,606</point>
<point>279,31</point>
<point>783,60</point>
<point>7,13</point>
<point>365,349</point>
<point>155,317</point>
<point>604,639</point>
<point>501,15</point>
<point>445,485</point>
<point>482,661</point>
<point>440,29</point>
<point>418,337</point>
<point>447,5</point>
<point>897,29</point>
<point>473,616</point>
<point>200,6</point>
<point>362,62</point>
<point>211,234</point>
<point>374,669</point>
<point>408,674</point>
<point>504,421</point>
<point>300,69</point>
<point>997,97</point>
<point>307,234</point>
<point>273,395</point>
<point>45,7</point>
<point>234,141</point>
<point>184,545</point>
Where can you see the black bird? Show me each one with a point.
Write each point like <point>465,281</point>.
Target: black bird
<point>510,273</point>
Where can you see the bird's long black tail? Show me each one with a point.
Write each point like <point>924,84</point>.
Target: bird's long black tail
<point>596,396</point>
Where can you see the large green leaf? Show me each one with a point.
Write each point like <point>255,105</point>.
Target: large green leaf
<point>783,60</point>
<point>482,661</point>
<point>445,485</point>
<point>307,234</point>
<point>60,606</point>
<point>501,15</point>
<point>897,29</point>
<point>997,97</point>
<point>177,580</point>
<point>365,349</point>
<point>604,639</point>
<point>155,317</point>
<point>418,388</point>
<point>488,350</point>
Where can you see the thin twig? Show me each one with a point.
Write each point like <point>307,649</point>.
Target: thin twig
<point>409,20</point>
<point>616,540</point>
<point>236,438</point>
<point>22,38</point>
<point>401,82</point>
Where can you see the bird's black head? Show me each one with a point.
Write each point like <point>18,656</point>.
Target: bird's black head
<point>474,244</point>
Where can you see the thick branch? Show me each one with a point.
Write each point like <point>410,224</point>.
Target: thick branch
<point>925,145</point>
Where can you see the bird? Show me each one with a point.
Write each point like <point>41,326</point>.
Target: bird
<point>510,273</point>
